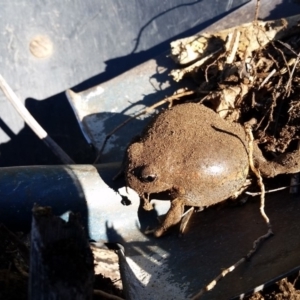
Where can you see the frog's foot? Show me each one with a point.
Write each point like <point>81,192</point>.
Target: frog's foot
<point>146,202</point>
<point>185,219</point>
<point>173,217</point>
<point>287,163</point>
<point>236,194</point>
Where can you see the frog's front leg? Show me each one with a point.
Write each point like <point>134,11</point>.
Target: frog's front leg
<point>172,218</point>
<point>287,163</point>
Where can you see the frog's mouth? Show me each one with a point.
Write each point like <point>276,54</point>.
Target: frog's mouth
<point>165,195</point>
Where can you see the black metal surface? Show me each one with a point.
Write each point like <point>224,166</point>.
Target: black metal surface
<point>171,266</point>
<point>90,36</point>
<point>93,41</point>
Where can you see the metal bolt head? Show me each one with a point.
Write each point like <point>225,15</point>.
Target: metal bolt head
<point>41,46</point>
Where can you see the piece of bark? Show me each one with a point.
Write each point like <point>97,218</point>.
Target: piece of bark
<point>251,36</point>
<point>61,261</point>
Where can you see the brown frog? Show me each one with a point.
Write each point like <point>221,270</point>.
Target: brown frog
<point>197,158</point>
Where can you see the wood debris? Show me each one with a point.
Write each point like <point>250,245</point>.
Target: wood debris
<point>250,71</point>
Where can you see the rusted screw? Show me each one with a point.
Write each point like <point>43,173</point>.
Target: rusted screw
<point>41,46</point>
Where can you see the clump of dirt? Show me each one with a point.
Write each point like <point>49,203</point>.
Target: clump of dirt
<point>254,75</point>
<point>285,289</point>
<point>14,268</point>
<point>107,285</point>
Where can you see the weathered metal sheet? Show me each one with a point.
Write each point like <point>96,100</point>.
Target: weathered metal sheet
<point>49,46</point>
<point>169,267</point>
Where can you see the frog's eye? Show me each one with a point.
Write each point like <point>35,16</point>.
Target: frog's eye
<point>145,174</point>
<point>148,178</point>
<point>148,174</point>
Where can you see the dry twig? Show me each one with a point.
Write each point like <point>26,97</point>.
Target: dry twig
<point>267,78</point>
<point>256,10</point>
<point>32,123</point>
<point>283,57</point>
<point>232,45</point>
<point>179,73</point>
<point>248,130</point>
<point>289,83</point>
<point>273,190</point>
<point>294,187</point>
